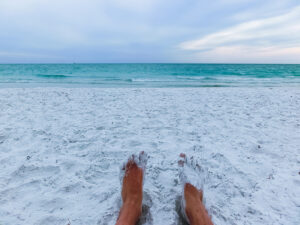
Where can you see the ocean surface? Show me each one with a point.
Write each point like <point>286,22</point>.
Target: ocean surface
<point>149,75</point>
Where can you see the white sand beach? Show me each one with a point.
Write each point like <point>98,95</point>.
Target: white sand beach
<point>61,149</point>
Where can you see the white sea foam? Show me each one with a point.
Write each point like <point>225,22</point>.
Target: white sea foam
<point>61,150</point>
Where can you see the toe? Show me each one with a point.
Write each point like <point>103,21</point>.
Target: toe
<point>182,155</point>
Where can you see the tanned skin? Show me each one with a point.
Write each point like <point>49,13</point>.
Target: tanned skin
<point>132,194</point>
<point>195,209</point>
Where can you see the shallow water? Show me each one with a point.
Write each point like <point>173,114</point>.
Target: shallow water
<point>149,75</point>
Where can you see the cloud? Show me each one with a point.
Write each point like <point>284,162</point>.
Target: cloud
<point>133,30</point>
<point>247,54</point>
<point>263,38</point>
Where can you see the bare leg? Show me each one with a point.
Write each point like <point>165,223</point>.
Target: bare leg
<point>194,207</point>
<point>132,194</point>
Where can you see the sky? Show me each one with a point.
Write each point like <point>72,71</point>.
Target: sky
<point>150,31</point>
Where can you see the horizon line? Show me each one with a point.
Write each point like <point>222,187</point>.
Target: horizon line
<point>216,63</point>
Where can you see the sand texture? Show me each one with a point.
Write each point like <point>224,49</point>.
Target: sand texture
<point>61,150</point>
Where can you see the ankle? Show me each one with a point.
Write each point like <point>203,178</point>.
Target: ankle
<point>192,214</point>
<point>195,210</point>
<point>129,213</point>
<point>198,215</point>
<point>133,200</point>
<point>133,203</point>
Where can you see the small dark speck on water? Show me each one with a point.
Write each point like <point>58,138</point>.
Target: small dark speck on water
<point>258,146</point>
<point>28,157</point>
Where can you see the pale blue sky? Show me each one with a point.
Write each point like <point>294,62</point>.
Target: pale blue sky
<point>215,31</point>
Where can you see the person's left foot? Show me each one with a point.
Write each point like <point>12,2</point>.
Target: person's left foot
<point>132,188</point>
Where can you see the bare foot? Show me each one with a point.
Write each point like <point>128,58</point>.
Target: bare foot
<point>132,190</point>
<point>192,206</point>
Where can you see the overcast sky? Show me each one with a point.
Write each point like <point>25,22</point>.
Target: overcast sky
<point>213,31</point>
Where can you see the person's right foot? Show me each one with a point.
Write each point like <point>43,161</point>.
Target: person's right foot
<point>192,206</point>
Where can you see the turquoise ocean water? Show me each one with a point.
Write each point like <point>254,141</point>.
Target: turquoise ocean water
<point>149,75</point>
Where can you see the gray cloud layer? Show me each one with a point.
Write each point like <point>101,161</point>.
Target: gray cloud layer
<point>149,31</point>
